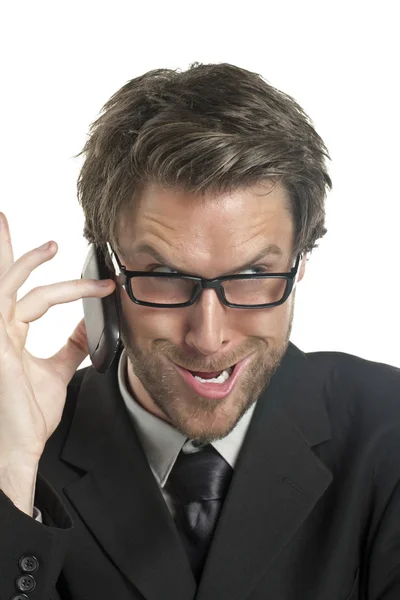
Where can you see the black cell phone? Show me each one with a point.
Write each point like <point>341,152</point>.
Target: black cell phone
<point>102,315</point>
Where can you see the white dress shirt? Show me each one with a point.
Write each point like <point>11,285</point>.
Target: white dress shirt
<point>162,443</point>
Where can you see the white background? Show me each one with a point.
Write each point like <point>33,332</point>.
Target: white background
<point>60,62</point>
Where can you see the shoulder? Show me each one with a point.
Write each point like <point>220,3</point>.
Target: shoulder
<point>75,384</point>
<point>357,377</point>
<point>361,397</point>
<point>73,390</point>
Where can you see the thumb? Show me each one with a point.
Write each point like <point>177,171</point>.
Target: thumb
<point>71,355</point>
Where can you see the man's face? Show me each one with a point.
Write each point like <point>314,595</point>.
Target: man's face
<point>207,237</point>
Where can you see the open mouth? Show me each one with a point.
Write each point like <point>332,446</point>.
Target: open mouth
<point>214,384</point>
<point>213,376</point>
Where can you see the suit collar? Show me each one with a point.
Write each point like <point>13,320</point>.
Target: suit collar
<point>277,482</point>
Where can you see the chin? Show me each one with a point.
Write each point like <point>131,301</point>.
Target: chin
<point>204,425</point>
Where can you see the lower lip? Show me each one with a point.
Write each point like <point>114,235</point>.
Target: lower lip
<point>214,390</point>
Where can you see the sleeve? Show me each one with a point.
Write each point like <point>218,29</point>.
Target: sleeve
<point>384,561</point>
<point>381,577</point>
<point>32,553</point>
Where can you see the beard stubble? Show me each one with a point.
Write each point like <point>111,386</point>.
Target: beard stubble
<point>195,416</point>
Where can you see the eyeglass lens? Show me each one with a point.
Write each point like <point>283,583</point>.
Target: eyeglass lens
<point>237,291</point>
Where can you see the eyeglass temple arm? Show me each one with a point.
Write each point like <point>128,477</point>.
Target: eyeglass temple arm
<point>114,261</point>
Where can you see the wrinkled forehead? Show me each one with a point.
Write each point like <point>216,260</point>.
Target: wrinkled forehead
<point>232,218</point>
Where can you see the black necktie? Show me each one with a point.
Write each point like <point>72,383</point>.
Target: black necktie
<point>198,483</point>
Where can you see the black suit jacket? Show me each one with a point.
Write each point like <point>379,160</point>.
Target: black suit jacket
<point>312,513</point>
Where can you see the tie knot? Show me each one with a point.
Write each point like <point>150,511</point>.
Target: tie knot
<point>197,476</point>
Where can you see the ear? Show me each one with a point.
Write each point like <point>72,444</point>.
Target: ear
<point>302,267</point>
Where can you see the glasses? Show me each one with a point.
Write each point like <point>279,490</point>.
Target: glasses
<point>173,290</point>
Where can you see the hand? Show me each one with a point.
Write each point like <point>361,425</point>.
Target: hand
<point>33,390</point>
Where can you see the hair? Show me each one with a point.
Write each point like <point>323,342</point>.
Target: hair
<point>212,129</point>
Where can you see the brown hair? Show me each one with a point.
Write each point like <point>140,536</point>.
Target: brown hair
<point>211,129</point>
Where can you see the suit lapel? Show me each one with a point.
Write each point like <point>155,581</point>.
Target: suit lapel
<point>277,482</point>
<point>119,499</point>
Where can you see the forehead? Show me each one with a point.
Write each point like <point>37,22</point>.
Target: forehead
<point>175,216</point>
<point>220,226</point>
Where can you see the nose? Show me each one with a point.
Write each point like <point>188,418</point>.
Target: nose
<point>207,323</point>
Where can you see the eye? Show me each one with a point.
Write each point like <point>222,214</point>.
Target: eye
<point>166,269</point>
<point>257,270</point>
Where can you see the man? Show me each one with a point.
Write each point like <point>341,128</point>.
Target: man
<point>214,459</point>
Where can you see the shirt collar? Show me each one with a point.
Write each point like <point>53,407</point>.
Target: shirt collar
<point>162,443</point>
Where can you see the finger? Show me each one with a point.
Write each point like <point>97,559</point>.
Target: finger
<point>6,251</point>
<point>17,273</point>
<point>67,360</point>
<point>37,302</point>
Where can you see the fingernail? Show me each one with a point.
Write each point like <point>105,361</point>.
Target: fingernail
<point>104,282</point>
<point>45,246</point>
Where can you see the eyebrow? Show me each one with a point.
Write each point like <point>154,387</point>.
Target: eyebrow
<point>145,248</point>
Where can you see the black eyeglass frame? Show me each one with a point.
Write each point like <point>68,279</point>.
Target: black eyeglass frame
<point>124,276</point>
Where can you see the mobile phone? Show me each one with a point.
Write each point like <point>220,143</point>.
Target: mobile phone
<point>102,315</point>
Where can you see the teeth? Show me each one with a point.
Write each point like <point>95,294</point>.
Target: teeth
<point>224,376</point>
